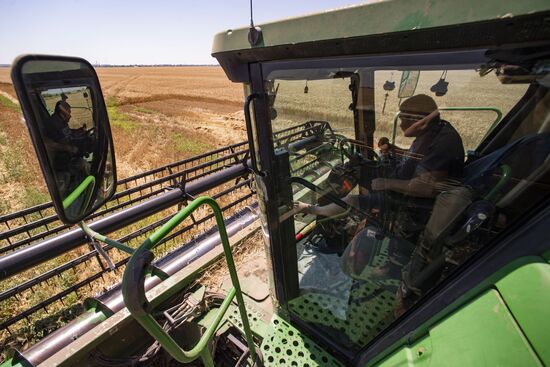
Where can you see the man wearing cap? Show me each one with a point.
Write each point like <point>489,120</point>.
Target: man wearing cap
<point>57,128</point>
<point>62,144</point>
<point>431,168</point>
<point>434,161</point>
<point>435,157</point>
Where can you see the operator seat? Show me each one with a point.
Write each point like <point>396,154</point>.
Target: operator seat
<point>492,179</point>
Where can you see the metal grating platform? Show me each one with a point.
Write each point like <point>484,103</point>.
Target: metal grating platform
<point>352,311</point>
<point>286,346</point>
<point>255,316</point>
<point>367,312</point>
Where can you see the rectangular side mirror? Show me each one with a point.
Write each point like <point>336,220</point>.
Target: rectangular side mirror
<point>67,119</point>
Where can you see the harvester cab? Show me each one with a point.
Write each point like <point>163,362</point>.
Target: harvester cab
<point>401,162</point>
<point>394,213</point>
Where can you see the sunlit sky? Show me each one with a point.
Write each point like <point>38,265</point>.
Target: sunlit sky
<point>134,32</point>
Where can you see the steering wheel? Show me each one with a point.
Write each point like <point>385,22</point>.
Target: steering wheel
<point>348,149</point>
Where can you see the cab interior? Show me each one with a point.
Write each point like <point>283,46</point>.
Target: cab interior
<point>329,115</point>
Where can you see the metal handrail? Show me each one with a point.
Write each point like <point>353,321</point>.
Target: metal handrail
<point>506,174</point>
<point>136,302</point>
<point>90,180</point>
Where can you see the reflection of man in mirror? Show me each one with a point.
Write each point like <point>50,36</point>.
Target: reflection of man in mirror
<point>57,129</point>
<point>64,148</point>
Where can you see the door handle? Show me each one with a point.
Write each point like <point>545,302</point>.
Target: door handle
<point>251,147</point>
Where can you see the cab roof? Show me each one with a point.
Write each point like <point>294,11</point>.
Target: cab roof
<point>384,26</point>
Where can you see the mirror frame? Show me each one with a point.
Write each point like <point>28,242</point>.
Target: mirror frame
<point>31,120</point>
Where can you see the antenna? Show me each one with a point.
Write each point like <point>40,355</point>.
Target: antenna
<point>254,33</point>
<point>251,16</point>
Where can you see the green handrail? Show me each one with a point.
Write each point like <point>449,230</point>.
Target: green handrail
<point>147,320</point>
<point>78,191</point>
<point>493,125</point>
<point>506,173</point>
<point>98,236</point>
<point>118,245</point>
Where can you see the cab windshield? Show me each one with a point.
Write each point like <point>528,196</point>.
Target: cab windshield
<point>396,174</point>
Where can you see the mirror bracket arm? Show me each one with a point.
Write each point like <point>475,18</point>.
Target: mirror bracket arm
<point>99,237</point>
<point>95,237</point>
<point>96,245</point>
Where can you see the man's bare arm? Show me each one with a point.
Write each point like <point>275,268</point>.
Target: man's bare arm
<point>327,210</point>
<point>425,186</point>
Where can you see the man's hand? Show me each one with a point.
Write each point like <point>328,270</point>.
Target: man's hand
<point>300,207</point>
<point>297,208</point>
<point>379,184</point>
<point>384,145</point>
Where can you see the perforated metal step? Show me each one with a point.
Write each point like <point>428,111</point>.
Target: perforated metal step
<point>286,346</point>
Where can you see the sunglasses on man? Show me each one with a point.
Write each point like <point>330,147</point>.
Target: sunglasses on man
<point>411,116</point>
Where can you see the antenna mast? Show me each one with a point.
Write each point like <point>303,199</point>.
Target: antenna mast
<point>254,33</point>
<point>251,17</point>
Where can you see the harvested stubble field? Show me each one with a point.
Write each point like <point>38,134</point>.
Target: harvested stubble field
<point>329,99</point>
<point>158,116</point>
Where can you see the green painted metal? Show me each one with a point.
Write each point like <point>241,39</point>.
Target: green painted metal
<point>78,191</point>
<point>151,325</point>
<point>95,314</point>
<point>285,345</point>
<point>98,236</point>
<point>376,18</point>
<point>255,316</point>
<point>506,173</point>
<point>14,362</point>
<point>200,349</point>
<point>493,125</point>
<point>526,292</point>
<point>356,320</point>
<point>364,318</point>
<point>483,333</point>
<point>470,296</point>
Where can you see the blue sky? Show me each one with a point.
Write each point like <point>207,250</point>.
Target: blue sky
<point>134,32</point>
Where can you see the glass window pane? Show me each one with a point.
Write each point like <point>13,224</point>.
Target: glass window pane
<point>385,201</point>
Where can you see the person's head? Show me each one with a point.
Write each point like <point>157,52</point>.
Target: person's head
<point>415,113</point>
<point>384,144</point>
<point>63,109</point>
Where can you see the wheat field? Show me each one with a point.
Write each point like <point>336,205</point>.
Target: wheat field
<point>329,100</point>
<point>158,116</point>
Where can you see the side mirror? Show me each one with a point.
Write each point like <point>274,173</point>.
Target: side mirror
<point>67,119</point>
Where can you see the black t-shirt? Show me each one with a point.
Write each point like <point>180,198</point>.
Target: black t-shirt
<point>57,130</point>
<point>439,149</point>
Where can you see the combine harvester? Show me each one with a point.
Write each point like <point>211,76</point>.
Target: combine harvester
<point>432,272</point>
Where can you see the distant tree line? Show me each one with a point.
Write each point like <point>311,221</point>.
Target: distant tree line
<point>134,65</point>
<point>148,65</point>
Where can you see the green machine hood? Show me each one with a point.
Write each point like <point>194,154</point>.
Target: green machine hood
<point>385,26</point>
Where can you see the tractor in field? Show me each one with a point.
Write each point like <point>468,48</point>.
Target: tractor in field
<point>400,154</point>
